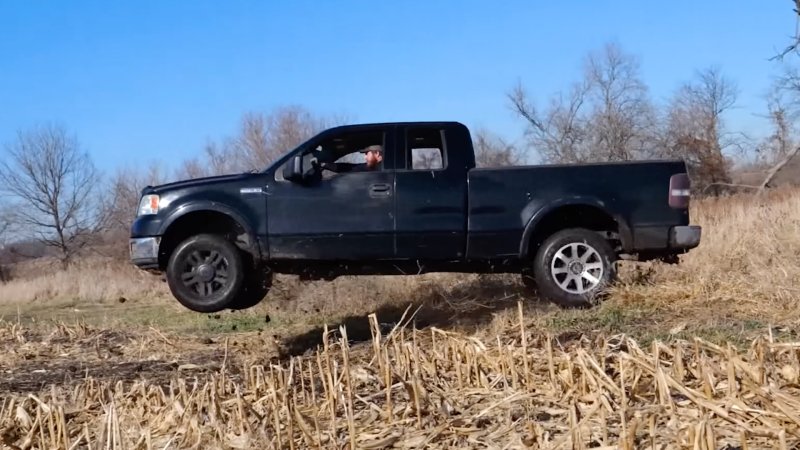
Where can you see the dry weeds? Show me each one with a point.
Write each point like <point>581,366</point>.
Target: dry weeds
<point>437,389</point>
<point>91,280</point>
<point>747,265</point>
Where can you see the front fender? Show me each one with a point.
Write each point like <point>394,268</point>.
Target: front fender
<point>196,206</point>
<point>539,212</point>
<point>210,206</point>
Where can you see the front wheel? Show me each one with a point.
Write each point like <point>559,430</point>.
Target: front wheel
<point>205,273</point>
<point>573,267</point>
<point>257,283</point>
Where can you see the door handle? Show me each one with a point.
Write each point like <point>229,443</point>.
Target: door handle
<point>380,190</point>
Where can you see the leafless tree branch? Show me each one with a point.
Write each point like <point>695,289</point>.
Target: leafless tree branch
<point>125,191</point>
<point>54,182</point>
<point>5,227</point>
<point>777,167</point>
<point>260,139</point>
<point>795,42</point>
<point>493,151</point>
<point>695,128</point>
<point>605,116</point>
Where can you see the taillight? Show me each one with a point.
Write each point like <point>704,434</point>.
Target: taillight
<point>680,191</point>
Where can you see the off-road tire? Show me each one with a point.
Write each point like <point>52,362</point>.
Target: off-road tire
<point>228,265</point>
<point>552,281</point>
<point>257,283</point>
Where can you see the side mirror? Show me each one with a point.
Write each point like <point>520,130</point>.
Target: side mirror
<point>293,170</point>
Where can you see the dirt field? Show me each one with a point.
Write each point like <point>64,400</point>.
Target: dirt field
<point>701,355</point>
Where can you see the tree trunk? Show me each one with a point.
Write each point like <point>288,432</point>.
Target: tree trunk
<point>776,168</point>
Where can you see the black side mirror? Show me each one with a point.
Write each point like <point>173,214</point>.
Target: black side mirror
<point>293,170</point>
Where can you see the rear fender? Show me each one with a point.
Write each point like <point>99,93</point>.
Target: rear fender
<point>540,212</point>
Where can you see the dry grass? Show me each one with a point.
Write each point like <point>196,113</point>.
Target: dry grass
<point>747,265</point>
<point>432,389</point>
<point>650,368</point>
<point>91,280</point>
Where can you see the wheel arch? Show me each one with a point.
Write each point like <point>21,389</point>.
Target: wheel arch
<point>199,218</point>
<point>586,212</point>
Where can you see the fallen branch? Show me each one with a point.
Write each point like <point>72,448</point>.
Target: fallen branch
<point>777,167</point>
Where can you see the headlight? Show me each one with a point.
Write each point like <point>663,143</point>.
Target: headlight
<point>148,205</point>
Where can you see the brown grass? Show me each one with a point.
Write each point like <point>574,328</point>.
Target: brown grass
<point>91,280</point>
<point>747,265</point>
<point>700,355</point>
<point>429,389</point>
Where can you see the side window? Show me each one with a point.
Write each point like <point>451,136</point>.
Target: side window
<point>360,151</point>
<point>425,149</point>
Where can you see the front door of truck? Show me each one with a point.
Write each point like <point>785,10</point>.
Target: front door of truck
<point>344,215</point>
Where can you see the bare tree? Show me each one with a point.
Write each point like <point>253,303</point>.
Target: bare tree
<point>795,41</point>
<point>558,133</point>
<point>260,139</point>
<point>493,151</point>
<point>606,116</point>
<point>215,160</point>
<point>623,118</point>
<point>783,137</point>
<point>265,137</point>
<point>5,227</point>
<point>125,192</point>
<point>54,182</point>
<point>696,132</point>
<point>786,90</point>
<point>192,168</point>
<point>427,158</point>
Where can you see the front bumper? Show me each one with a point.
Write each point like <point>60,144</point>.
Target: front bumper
<point>685,237</point>
<point>144,252</point>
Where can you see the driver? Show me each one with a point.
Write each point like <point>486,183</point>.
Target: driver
<point>373,156</point>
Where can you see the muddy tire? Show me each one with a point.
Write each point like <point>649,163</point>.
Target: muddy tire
<point>257,283</point>
<point>574,267</point>
<point>206,273</point>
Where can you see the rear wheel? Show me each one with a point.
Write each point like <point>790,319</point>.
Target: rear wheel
<point>205,273</point>
<point>573,268</point>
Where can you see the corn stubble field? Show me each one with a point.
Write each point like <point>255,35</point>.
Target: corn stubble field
<point>702,355</point>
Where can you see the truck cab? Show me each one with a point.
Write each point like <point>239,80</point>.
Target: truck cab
<point>413,204</point>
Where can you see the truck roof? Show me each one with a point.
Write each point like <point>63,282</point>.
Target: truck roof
<point>355,126</point>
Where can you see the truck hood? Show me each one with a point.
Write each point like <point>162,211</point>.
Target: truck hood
<point>203,181</point>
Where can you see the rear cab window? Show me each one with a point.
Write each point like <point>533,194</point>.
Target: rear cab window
<point>425,149</point>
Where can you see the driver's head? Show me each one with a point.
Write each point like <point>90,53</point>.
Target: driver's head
<point>373,156</point>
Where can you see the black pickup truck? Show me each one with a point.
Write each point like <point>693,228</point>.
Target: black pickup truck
<point>424,207</point>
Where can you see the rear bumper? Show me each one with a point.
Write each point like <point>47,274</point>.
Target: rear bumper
<point>665,243</point>
<point>144,252</point>
<point>685,237</point>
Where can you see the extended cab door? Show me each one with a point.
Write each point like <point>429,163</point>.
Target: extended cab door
<point>431,192</point>
<point>347,215</point>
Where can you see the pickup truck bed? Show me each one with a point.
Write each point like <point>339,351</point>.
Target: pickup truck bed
<point>423,207</point>
<point>502,202</point>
